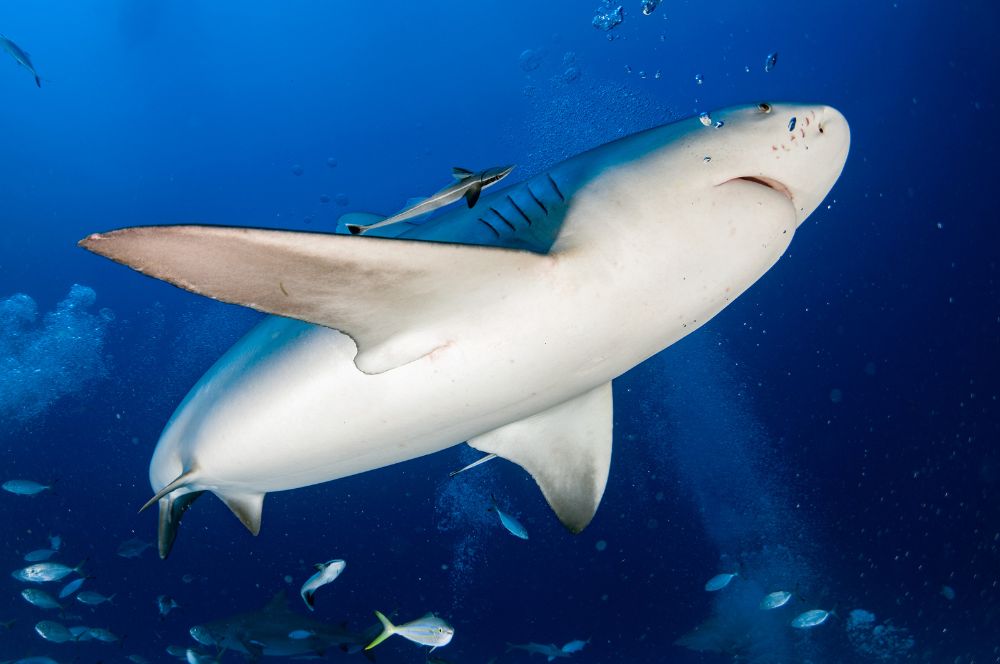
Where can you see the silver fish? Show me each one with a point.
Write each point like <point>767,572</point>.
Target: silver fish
<point>132,548</point>
<point>102,635</point>
<point>80,633</point>
<point>719,581</point>
<point>71,587</point>
<point>775,600</point>
<point>575,646</point>
<point>812,618</point>
<point>326,573</point>
<point>166,604</point>
<point>40,598</point>
<point>22,57</point>
<point>23,487</point>
<point>550,651</point>
<point>54,632</point>
<point>512,525</point>
<point>91,598</point>
<point>45,572</point>
<point>39,555</point>
<point>427,631</point>
<point>468,184</point>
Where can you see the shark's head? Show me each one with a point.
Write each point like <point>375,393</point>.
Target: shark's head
<point>797,150</point>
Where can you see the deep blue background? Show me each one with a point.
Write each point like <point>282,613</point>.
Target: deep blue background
<point>835,430</point>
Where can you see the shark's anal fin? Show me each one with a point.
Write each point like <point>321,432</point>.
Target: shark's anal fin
<point>567,449</point>
<point>461,173</point>
<point>246,506</point>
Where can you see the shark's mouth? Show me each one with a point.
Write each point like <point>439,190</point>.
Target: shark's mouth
<point>765,181</point>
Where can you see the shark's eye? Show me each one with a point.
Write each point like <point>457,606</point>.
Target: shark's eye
<point>764,107</point>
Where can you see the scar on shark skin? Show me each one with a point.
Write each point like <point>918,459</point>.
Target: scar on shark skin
<point>282,287</point>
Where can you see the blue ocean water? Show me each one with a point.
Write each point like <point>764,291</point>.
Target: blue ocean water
<point>833,432</point>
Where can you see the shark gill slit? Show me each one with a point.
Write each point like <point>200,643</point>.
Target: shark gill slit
<point>502,218</point>
<point>555,188</point>
<point>535,198</point>
<point>519,210</point>
<point>490,226</point>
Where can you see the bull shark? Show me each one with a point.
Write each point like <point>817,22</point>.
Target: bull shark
<point>501,326</point>
<point>22,57</point>
<point>269,631</point>
<point>468,184</point>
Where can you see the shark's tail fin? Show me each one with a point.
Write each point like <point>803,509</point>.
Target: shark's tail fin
<point>388,629</point>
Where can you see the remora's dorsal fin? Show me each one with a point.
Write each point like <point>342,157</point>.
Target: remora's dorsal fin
<point>461,173</point>
<point>394,297</point>
<point>472,195</point>
<point>246,506</point>
<point>567,449</point>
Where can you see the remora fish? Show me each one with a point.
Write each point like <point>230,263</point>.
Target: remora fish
<point>326,573</point>
<point>266,632</point>
<point>468,184</point>
<point>572,278</point>
<point>427,631</point>
<point>22,57</point>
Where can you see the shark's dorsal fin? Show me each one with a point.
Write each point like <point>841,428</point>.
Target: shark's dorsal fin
<point>461,173</point>
<point>567,449</point>
<point>395,298</point>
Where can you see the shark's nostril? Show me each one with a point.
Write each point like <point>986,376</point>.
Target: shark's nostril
<point>821,127</point>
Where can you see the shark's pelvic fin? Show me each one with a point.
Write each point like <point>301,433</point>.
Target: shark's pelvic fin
<point>461,173</point>
<point>567,449</point>
<point>246,506</point>
<point>393,297</point>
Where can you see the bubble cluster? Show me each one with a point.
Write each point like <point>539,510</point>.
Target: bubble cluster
<point>43,361</point>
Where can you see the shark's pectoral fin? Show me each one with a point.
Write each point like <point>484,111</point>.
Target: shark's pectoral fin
<point>246,506</point>
<point>172,508</point>
<point>395,298</point>
<point>472,195</point>
<point>567,449</point>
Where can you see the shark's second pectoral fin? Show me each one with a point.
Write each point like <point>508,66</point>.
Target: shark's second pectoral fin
<point>394,297</point>
<point>246,506</point>
<point>567,449</point>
